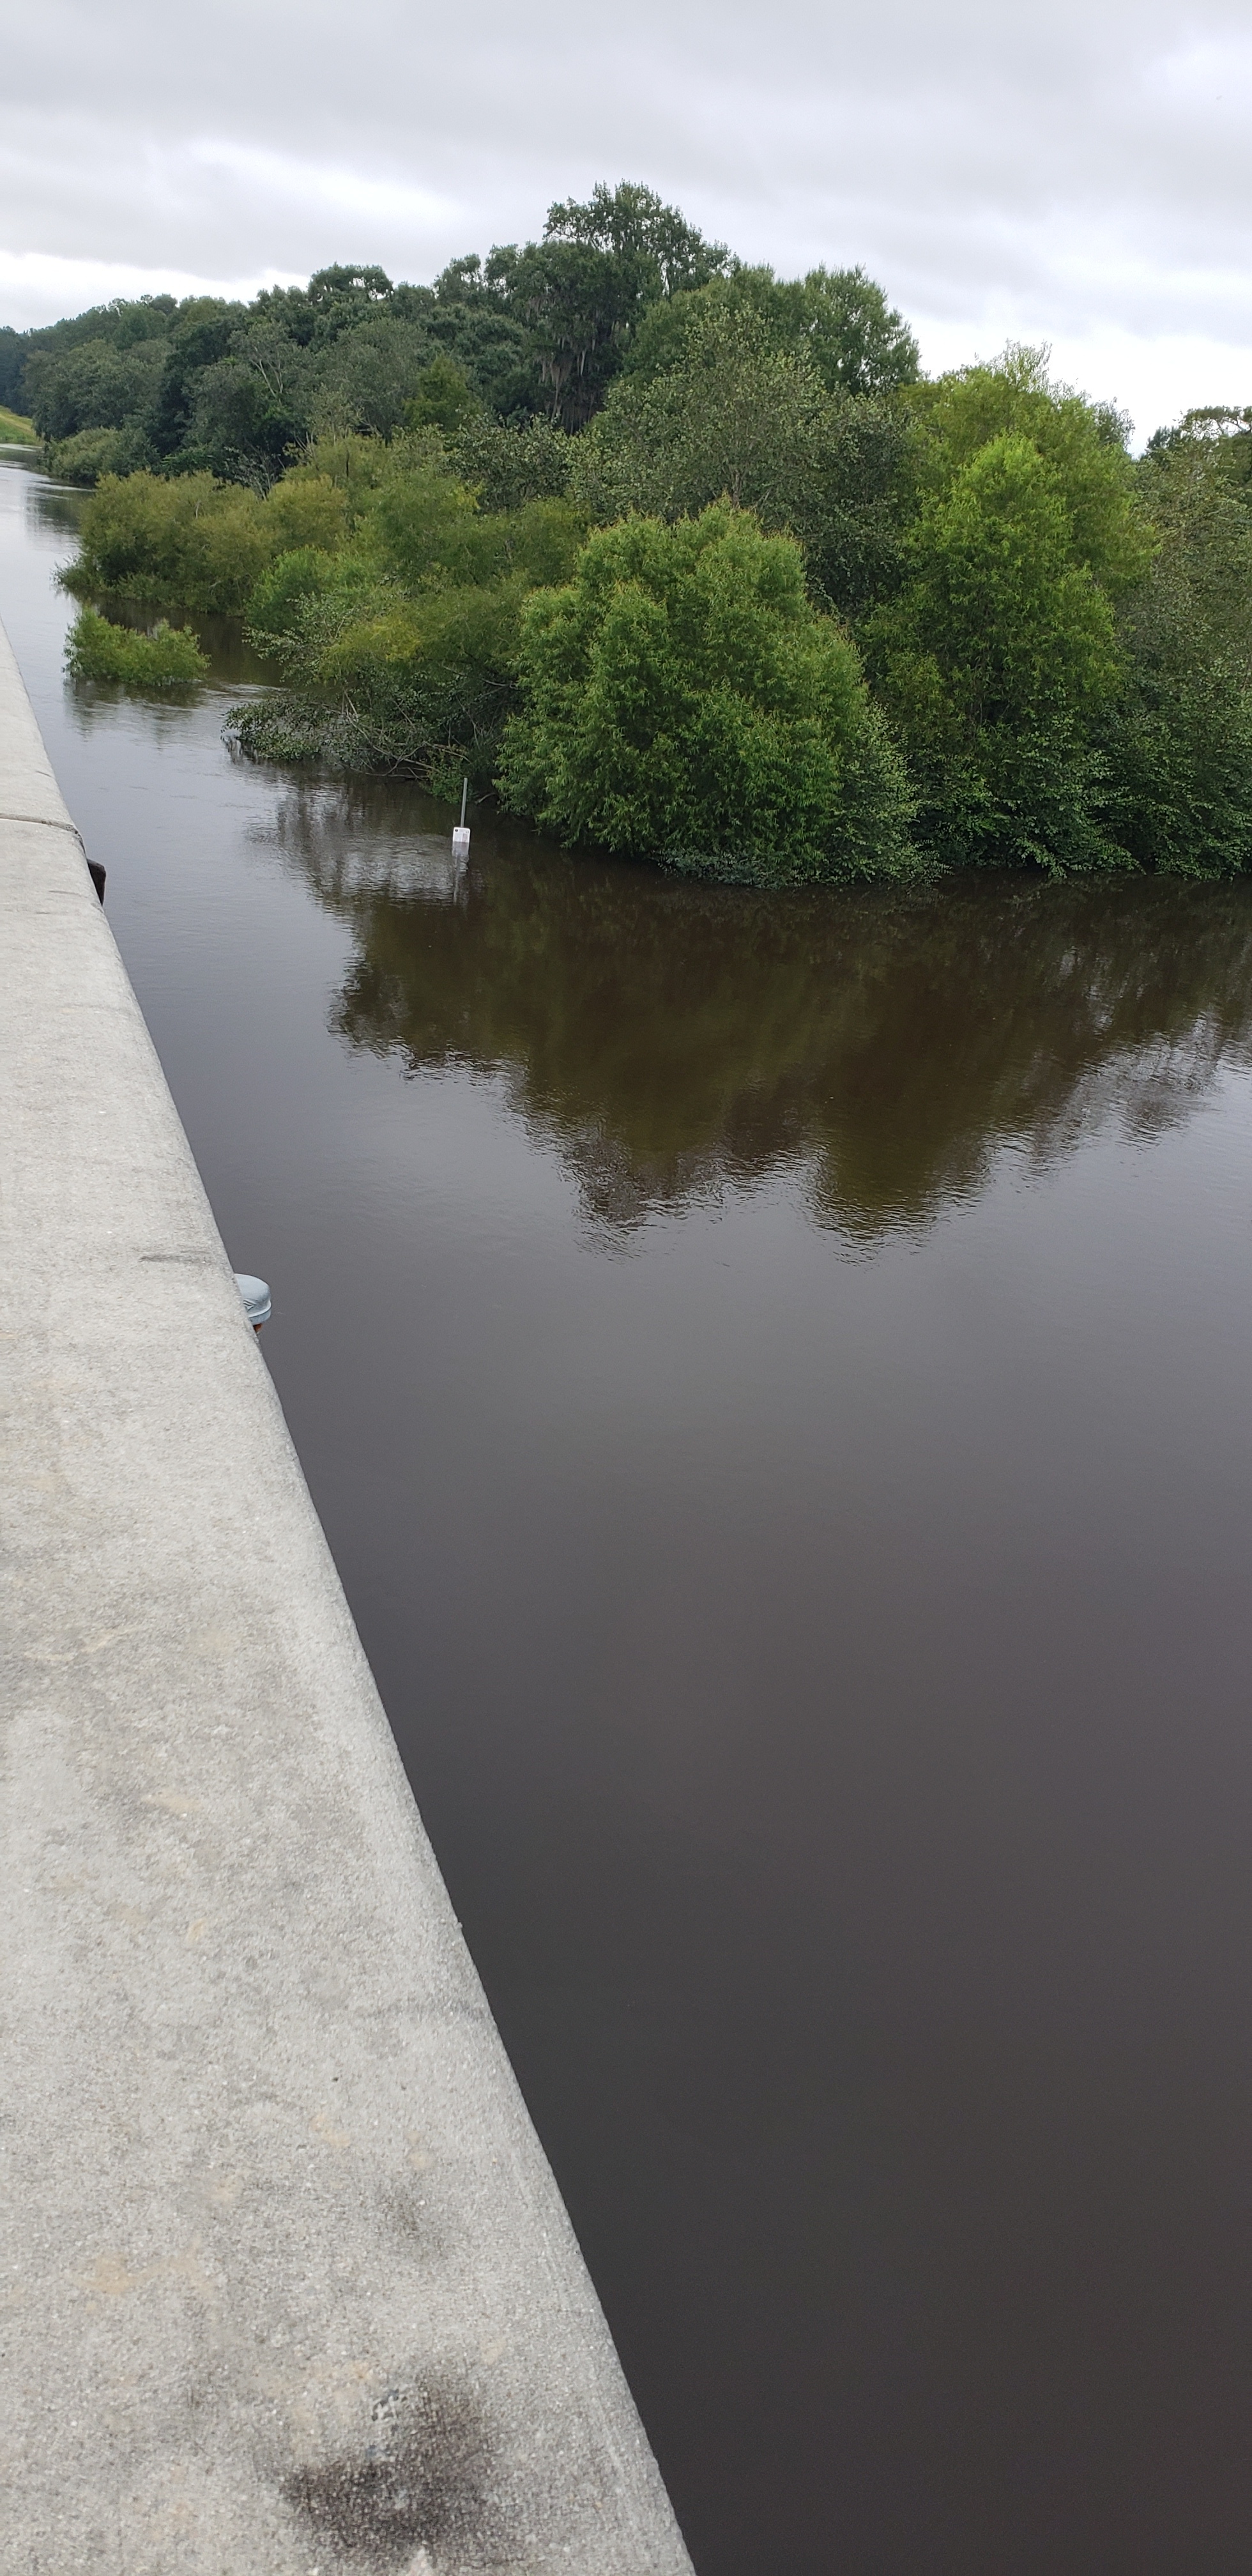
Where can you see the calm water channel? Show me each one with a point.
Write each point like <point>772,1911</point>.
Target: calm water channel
<point>776,1374</point>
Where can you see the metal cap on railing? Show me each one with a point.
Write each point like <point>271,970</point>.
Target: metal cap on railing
<point>256,1299</point>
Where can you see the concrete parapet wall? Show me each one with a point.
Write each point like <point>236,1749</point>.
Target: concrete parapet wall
<point>288,2285</point>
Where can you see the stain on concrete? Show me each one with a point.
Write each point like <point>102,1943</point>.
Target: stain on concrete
<point>421,2480</point>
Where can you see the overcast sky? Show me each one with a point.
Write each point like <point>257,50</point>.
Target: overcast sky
<point>1077,172</point>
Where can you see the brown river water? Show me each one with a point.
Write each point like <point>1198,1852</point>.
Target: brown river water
<point>776,1375</point>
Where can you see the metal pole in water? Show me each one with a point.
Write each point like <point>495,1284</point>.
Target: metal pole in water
<point>460,836</point>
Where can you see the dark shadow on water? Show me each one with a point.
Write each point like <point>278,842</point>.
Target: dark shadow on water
<point>675,1041</point>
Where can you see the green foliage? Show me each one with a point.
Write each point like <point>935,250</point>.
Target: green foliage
<point>194,540</point>
<point>999,657</point>
<point>738,415</point>
<point>582,290</point>
<point>1179,749</point>
<point>209,386</point>
<point>395,484</point>
<point>13,355</point>
<point>631,223</point>
<point>859,344</point>
<point>168,658</point>
<point>370,381</point>
<point>508,466</point>
<point>379,681</point>
<point>1224,432</point>
<point>14,430</point>
<point>354,464</point>
<point>94,386</point>
<point>442,398</point>
<point>307,508</point>
<point>426,529</point>
<point>276,609</point>
<point>839,320</point>
<point>1082,443</point>
<point>90,453</point>
<point>994,660</point>
<point>682,699</point>
<point>400,650</point>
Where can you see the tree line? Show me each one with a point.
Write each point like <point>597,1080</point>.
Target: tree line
<point>538,331</point>
<point>689,561</point>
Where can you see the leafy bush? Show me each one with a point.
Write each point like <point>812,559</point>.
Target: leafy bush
<point>307,508</point>
<point>400,650</point>
<point>195,541</point>
<point>202,543</point>
<point>418,686</point>
<point>91,453</point>
<point>284,591</point>
<point>381,680</point>
<point>996,660</point>
<point>443,398</point>
<point>168,658</point>
<point>682,699</point>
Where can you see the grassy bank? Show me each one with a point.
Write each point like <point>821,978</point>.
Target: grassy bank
<point>16,432</point>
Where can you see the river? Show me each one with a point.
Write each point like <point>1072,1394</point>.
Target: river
<point>776,1376</point>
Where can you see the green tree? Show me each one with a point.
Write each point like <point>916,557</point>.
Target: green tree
<point>368,379</point>
<point>631,223</point>
<point>996,661</point>
<point>195,542</point>
<point>858,343</point>
<point>442,398</point>
<point>682,699</point>
<point>1083,444</point>
<point>839,320</point>
<point>199,337</point>
<point>96,385</point>
<point>1179,741</point>
<point>741,417</point>
<point>507,466</point>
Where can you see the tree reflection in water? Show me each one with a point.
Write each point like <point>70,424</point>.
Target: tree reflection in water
<point>677,1040</point>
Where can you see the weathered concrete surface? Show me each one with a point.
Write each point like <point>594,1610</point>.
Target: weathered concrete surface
<point>287,2282</point>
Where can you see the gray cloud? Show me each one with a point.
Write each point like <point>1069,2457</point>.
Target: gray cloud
<point>1074,173</point>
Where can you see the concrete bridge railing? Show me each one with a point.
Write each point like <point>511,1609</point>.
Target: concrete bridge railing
<point>288,2284</point>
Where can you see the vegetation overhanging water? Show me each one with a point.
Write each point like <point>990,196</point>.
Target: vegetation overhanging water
<point>677,558</point>
<point>776,1373</point>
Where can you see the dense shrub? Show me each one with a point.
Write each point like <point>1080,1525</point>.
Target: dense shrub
<point>400,650</point>
<point>92,453</point>
<point>996,660</point>
<point>167,658</point>
<point>1048,656</point>
<point>1179,746</point>
<point>195,541</point>
<point>683,699</point>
